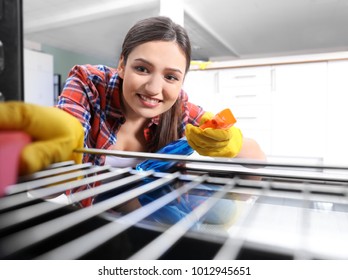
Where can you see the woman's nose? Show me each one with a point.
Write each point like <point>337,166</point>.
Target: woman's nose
<point>154,85</point>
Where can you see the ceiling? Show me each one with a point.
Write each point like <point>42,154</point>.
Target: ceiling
<point>219,29</point>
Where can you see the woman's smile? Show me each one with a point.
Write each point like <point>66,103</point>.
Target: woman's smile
<point>148,101</point>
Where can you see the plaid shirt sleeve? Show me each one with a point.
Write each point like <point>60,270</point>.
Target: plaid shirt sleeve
<point>91,95</point>
<point>191,113</point>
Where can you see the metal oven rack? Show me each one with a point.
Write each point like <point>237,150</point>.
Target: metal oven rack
<point>204,208</point>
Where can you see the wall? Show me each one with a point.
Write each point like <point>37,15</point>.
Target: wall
<point>65,60</point>
<point>42,62</point>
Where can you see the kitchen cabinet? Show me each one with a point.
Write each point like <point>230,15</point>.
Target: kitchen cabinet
<point>38,78</point>
<point>337,113</point>
<point>293,110</point>
<point>282,107</point>
<point>247,92</point>
<point>299,110</point>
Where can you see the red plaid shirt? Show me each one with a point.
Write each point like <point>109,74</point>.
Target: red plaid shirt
<point>91,94</point>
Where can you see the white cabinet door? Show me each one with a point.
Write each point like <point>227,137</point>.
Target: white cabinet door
<point>298,110</point>
<point>247,92</point>
<point>38,78</point>
<point>337,114</point>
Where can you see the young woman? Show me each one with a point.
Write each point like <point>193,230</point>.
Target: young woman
<point>140,106</point>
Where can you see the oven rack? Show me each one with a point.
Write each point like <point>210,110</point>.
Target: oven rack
<point>235,209</point>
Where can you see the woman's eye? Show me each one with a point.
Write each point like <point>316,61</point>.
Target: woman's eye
<point>141,69</point>
<point>172,78</point>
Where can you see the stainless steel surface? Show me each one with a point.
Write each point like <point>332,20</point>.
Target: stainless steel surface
<point>208,208</point>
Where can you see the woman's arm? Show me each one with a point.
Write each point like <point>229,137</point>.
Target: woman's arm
<point>251,150</point>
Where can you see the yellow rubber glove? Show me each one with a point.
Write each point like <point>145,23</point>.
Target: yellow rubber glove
<point>214,142</point>
<point>54,132</point>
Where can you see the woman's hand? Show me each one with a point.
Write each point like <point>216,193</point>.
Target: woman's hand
<point>55,134</point>
<point>213,141</point>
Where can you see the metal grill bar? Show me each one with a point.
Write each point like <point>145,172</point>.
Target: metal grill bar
<point>46,181</point>
<point>54,169</point>
<point>165,241</point>
<point>233,245</point>
<point>40,232</point>
<point>26,213</point>
<point>21,198</point>
<point>209,160</point>
<point>103,234</point>
<point>294,211</point>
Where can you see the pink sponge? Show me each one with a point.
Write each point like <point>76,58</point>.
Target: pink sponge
<point>11,145</point>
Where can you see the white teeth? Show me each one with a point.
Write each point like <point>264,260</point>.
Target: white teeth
<point>147,99</point>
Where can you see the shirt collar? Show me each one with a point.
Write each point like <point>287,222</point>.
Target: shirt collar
<point>154,120</point>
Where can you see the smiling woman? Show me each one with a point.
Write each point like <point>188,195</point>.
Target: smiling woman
<point>140,106</point>
<point>152,80</point>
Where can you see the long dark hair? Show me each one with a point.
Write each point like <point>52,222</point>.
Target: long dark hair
<point>160,29</point>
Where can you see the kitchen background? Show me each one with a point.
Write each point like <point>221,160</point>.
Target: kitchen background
<point>280,65</point>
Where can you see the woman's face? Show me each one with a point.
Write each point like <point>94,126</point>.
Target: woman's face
<point>152,78</point>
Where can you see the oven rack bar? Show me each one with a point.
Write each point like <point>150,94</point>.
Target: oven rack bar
<point>245,167</point>
<point>210,160</point>
<point>312,201</point>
